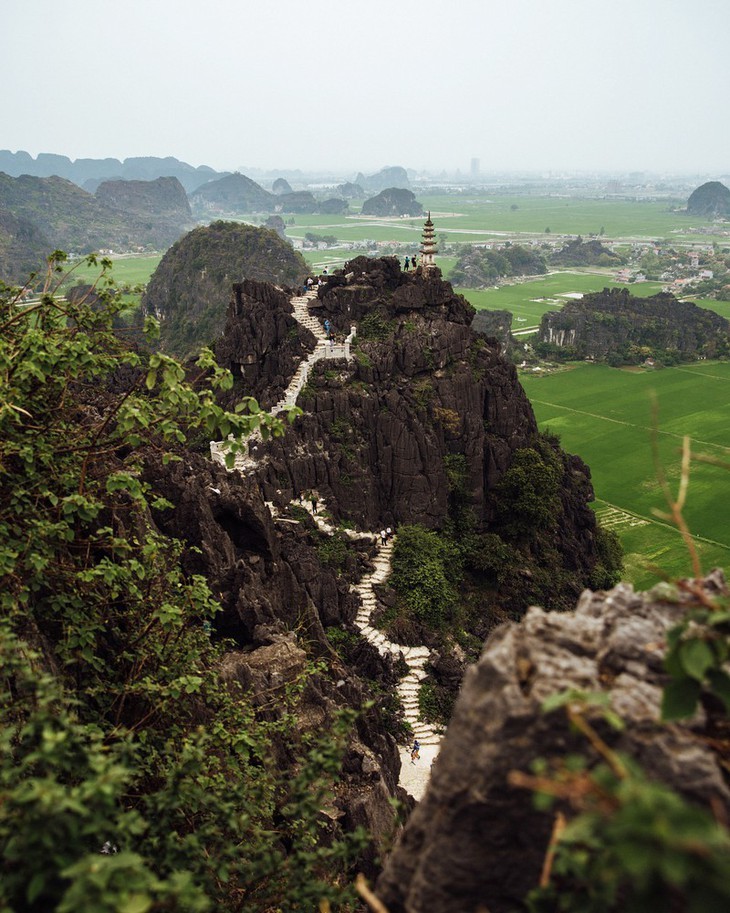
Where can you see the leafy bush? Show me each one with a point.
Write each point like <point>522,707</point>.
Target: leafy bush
<point>421,576</point>
<point>114,724</point>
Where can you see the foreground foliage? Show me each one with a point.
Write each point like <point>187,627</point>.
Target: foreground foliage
<point>131,778</point>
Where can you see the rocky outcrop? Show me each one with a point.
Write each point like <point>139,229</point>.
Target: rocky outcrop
<point>614,323</point>
<point>495,325</point>
<point>477,843</point>
<point>277,599</point>
<point>479,267</point>
<point>392,202</point>
<point>422,394</point>
<point>281,185</point>
<point>710,199</point>
<point>584,253</point>
<point>23,248</point>
<point>263,343</point>
<point>350,191</point>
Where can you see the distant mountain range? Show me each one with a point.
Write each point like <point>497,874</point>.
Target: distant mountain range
<point>94,171</point>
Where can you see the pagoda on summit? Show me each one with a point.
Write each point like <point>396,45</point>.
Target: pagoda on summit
<point>428,246</point>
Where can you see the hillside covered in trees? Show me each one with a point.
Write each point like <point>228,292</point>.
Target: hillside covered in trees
<point>190,290</point>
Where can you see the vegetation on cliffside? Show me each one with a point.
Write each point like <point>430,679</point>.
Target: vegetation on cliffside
<point>131,777</point>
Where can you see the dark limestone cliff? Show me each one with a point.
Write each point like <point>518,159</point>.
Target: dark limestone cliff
<point>381,434</point>
<point>616,323</point>
<point>475,842</point>
<point>710,199</point>
<point>261,333</point>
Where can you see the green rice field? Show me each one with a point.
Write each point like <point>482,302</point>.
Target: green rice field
<point>605,416</point>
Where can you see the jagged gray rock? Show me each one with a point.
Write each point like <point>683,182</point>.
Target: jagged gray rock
<point>475,842</point>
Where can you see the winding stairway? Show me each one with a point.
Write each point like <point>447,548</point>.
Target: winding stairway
<point>414,775</point>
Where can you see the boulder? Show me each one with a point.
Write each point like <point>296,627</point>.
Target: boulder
<point>477,843</point>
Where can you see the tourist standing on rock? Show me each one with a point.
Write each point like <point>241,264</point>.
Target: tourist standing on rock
<point>415,751</point>
<point>310,283</point>
<point>313,499</point>
<point>407,264</point>
<point>383,537</point>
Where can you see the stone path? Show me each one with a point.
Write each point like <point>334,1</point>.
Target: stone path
<point>414,776</point>
<point>244,461</point>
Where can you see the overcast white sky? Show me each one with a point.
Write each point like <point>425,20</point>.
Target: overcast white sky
<point>333,84</point>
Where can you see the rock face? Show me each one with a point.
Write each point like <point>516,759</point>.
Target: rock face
<point>276,596</point>
<point>23,248</point>
<point>262,344</point>
<point>281,185</point>
<point>710,199</point>
<point>190,290</point>
<point>615,323</point>
<point>476,843</point>
<point>480,267</point>
<point>392,202</point>
<point>382,432</point>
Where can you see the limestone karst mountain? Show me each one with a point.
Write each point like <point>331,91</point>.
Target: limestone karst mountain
<point>89,173</point>
<point>74,220</point>
<point>616,325</point>
<point>390,176</point>
<point>392,201</point>
<point>190,290</point>
<point>710,199</point>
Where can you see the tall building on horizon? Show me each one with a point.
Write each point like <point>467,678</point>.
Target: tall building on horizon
<point>474,170</point>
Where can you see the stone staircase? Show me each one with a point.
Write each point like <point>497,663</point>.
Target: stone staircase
<point>245,462</point>
<point>414,775</point>
<point>415,657</point>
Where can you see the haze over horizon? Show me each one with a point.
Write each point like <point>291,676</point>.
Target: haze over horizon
<point>570,85</point>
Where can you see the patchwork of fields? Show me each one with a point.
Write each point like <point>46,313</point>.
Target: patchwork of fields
<point>605,415</point>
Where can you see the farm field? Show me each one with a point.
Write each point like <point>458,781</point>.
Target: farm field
<point>562,215</point>
<point>605,416</point>
<point>129,270</point>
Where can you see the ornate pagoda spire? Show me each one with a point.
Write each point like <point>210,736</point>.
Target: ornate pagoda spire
<point>428,246</point>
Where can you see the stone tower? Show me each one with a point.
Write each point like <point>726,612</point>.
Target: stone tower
<point>428,246</point>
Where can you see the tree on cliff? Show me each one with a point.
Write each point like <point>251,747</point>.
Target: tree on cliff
<point>130,777</point>
<point>190,290</point>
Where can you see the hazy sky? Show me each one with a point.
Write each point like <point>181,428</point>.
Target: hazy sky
<point>332,84</point>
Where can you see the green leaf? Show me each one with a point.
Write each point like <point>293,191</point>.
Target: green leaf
<point>680,698</point>
<point>696,657</point>
<point>137,903</point>
<point>720,684</point>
